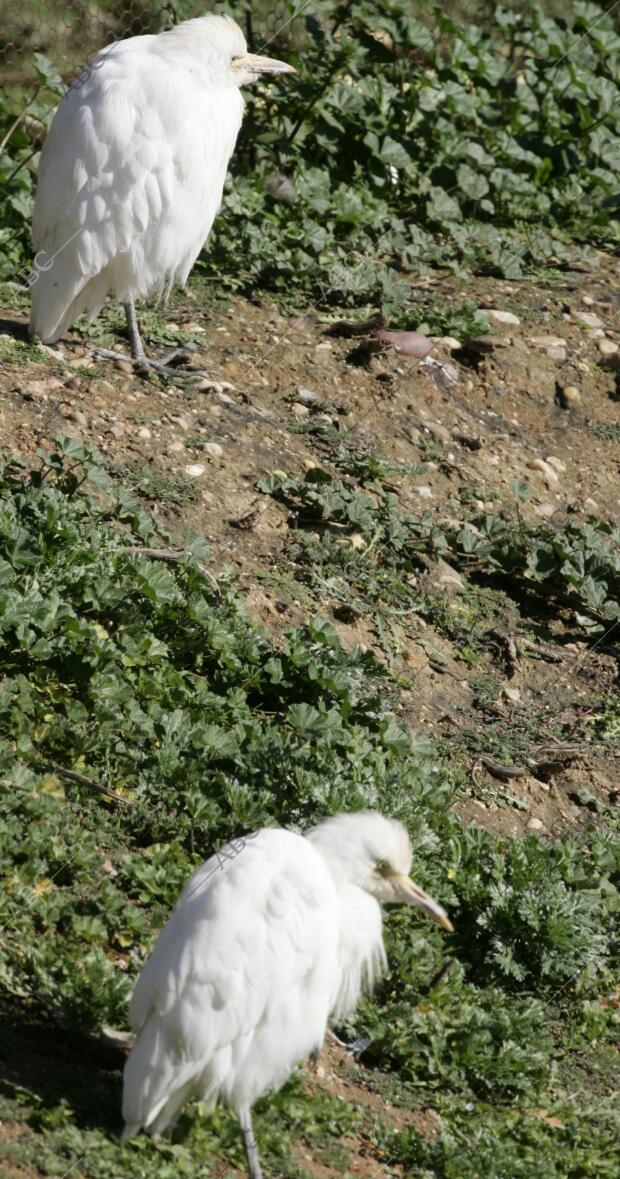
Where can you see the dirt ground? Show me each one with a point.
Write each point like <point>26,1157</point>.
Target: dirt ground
<point>479,421</point>
<point>527,407</point>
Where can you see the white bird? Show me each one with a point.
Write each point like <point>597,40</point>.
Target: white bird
<point>271,938</point>
<point>132,171</point>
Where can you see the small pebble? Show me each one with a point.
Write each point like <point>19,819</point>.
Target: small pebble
<point>471,441</point>
<point>78,417</point>
<point>182,422</point>
<point>448,575</point>
<point>208,385</point>
<point>569,396</point>
<point>500,316</point>
<point>512,694</point>
<point>408,343</point>
<point>482,345</point>
<point>544,510</point>
<point>306,396</point>
<point>39,388</point>
<point>424,492</point>
<point>213,449</point>
<point>557,464</point>
<point>535,824</point>
<point>548,341</point>
<point>538,464</point>
<point>57,353</point>
<point>300,411</point>
<point>439,371</point>
<point>440,432</point>
<point>195,470</point>
<point>556,352</point>
<point>607,347</point>
<point>588,318</point>
<point>144,432</point>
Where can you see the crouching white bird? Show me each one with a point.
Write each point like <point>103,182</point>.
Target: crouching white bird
<point>271,938</point>
<point>132,171</point>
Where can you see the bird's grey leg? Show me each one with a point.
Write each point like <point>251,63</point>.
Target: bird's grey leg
<point>137,347</point>
<point>135,339</point>
<point>138,356</point>
<point>249,1142</point>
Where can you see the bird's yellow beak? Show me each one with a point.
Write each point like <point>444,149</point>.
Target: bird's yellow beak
<point>255,64</point>
<point>411,894</point>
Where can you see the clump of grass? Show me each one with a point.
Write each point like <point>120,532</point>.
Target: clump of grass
<point>608,430</point>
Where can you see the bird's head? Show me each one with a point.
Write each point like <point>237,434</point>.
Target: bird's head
<point>374,853</point>
<point>222,48</point>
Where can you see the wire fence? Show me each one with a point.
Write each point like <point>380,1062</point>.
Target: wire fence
<point>69,32</point>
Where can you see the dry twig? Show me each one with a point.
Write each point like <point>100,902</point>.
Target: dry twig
<point>82,780</point>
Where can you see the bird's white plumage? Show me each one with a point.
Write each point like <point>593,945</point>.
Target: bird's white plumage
<point>211,1020</point>
<point>270,938</point>
<point>132,171</point>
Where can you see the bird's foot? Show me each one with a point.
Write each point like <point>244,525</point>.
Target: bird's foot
<point>165,366</point>
<point>178,355</point>
<point>359,1045</point>
<point>355,1048</point>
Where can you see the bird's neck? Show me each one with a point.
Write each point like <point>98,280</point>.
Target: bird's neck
<point>361,955</point>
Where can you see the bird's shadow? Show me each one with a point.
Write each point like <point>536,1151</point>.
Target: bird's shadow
<point>19,331</point>
<point>41,1059</point>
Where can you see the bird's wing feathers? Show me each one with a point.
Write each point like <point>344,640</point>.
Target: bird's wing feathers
<point>130,179</point>
<point>250,946</point>
<point>91,160</point>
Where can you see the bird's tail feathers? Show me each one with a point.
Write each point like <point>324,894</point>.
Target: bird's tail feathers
<point>157,1084</point>
<point>59,297</point>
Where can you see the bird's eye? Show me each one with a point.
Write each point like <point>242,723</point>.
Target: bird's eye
<point>383,868</point>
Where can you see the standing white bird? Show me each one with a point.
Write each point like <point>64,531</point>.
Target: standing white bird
<point>270,938</point>
<point>132,171</point>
